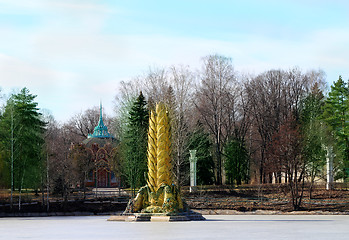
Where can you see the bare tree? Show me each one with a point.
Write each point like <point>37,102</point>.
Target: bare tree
<point>266,95</point>
<point>49,137</point>
<point>274,96</point>
<point>182,81</point>
<point>123,102</point>
<point>286,150</point>
<point>156,86</point>
<point>83,163</point>
<point>62,175</point>
<point>215,101</point>
<point>83,124</point>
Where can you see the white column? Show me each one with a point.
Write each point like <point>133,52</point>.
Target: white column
<point>193,160</point>
<point>329,164</point>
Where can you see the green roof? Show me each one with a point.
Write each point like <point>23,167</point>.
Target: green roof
<point>100,131</point>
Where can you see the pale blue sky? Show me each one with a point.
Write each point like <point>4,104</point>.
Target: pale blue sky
<point>72,54</point>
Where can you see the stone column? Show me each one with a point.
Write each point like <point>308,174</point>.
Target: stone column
<point>193,160</point>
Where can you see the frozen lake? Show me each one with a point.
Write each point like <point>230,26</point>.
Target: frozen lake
<point>216,227</point>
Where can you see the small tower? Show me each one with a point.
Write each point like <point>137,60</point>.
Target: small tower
<point>100,131</point>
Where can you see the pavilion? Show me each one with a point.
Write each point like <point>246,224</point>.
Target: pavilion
<point>102,145</point>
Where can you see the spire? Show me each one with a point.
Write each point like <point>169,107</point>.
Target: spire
<point>100,122</point>
<point>100,131</point>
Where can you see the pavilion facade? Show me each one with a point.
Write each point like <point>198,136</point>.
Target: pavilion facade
<point>102,146</point>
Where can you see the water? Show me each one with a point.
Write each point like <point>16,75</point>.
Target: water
<point>216,227</point>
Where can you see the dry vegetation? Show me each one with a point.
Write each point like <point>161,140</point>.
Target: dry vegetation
<point>248,198</point>
<point>266,198</point>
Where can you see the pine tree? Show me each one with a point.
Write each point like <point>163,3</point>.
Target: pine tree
<point>139,114</point>
<point>4,167</point>
<point>336,115</point>
<point>21,131</point>
<point>313,135</point>
<point>237,162</point>
<point>134,145</point>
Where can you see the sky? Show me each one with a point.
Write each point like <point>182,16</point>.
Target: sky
<point>73,54</point>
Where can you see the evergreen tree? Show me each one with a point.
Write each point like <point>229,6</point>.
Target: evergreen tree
<point>139,114</point>
<point>313,134</point>
<point>134,144</point>
<point>237,162</point>
<point>199,140</point>
<point>336,115</point>
<point>4,168</point>
<point>21,134</point>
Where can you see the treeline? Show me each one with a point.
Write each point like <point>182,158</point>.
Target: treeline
<point>36,152</point>
<point>254,127</point>
<point>277,126</point>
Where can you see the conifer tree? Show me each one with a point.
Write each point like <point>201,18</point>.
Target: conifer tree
<point>336,115</point>
<point>21,131</point>
<point>139,114</point>
<point>134,145</point>
<point>313,135</point>
<point>237,162</point>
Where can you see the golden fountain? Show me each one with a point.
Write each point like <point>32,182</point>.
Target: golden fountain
<point>160,199</point>
<point>160,195</point>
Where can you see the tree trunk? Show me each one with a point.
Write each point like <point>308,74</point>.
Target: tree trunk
<point>42,191</point>
<point>219,166</point>
<point>178,169</point>
<point>84,185</point>
<point>20,189</point>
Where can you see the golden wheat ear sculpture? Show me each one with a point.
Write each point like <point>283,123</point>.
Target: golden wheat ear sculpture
<point>163,151</point>
<point>160,195</point>
<point>159,149</point>
<point>152,155</point>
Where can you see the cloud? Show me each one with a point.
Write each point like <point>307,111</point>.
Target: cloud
<point>82,48</point>
<point>16,73</point>
<point>52,87</point>
<point>38,6</point>
<point>331,46</point>
<point>251,52</point>
<point>68,59</point>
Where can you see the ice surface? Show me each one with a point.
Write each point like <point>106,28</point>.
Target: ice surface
<point>215,227</point>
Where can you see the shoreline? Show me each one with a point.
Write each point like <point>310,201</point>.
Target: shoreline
<point>267,212</point>
<point>201,211</point>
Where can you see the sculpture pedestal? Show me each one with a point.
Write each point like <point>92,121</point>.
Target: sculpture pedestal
<point>168,218</point>
<point>158,217</point>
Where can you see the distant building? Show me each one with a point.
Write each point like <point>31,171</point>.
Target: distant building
<point>102,146</point>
